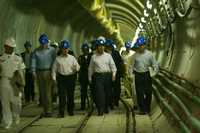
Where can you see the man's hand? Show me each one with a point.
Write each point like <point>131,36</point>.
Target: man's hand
<point>34,75</point>
<point>113,78</point>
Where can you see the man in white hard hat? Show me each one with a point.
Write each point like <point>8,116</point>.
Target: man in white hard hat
<point>12,79</point>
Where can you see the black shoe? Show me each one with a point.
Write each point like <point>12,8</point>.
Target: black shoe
<point>71,113</point>
<point>106,111</point>
<point>141,113</point>
<point>47,115</point>
<point>135,107</point>
<point>60,116</point>
<point>116,104</point>
<point>112,107</point>
<point>100,113</point>
<point>82,109</point>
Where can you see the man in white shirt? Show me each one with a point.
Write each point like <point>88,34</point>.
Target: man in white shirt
<point>143,59</point>
<point>11,83</point>
<point>64,68</point>
<point>103,70</point>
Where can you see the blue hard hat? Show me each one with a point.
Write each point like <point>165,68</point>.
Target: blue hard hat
<point>128,44</point>
<point>98,42</point>
<point>85,46</point>
<point>43,39</point>
<point>110,43</point>
<point>141,41</point>
<point>64,44</point>
<point>27,44</point>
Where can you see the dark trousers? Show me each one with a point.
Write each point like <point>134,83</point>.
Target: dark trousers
<point>116,90</point>
<point>66,86</point>
<point>92,92</point>
<point>143,86</point>
<point>84,86</point>
<point>102,90</point>
<point>29,86</point>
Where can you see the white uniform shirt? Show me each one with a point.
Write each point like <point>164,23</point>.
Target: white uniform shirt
<point>9,64</point>
<point>101,64</point>
<point>65,65</point>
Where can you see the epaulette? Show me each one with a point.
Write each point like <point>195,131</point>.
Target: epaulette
<point>17,54</point>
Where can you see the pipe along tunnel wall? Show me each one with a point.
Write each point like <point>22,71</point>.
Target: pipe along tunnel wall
<point>176,88</point>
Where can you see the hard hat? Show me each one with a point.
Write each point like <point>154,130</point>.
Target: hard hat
<point>64,44</point>
<point>10,42</point>
<point>101,38</point>
<point>141,41</point>
<point>109,43</point>
<point>43,39</point>
<point>128,44</point>
<point>27,44</point>
<point>99,41</point>
<point>85,46</point>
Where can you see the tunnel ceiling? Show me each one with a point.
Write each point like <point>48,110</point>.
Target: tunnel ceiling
<point>61,12</point>
<point>125,13</point>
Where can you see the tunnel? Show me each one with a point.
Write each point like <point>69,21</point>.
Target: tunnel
<point>172,30</point>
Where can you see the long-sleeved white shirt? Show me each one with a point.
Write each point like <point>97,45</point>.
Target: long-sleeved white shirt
<point>101,64</point>
<point>65,65</point>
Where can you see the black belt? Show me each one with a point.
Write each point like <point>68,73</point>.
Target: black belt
<point>47,69</point>
<point>102,73</point>
<point>141,73</point>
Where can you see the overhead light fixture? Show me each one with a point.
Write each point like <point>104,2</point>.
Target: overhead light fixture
<point>160,2</point>
<point>145,13</point>
<point>148,4</point>
<point>155,11</point>
<point>143,20</point>
<point>140,26</point>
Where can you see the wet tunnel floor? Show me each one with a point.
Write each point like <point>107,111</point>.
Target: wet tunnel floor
<point>114,122</point>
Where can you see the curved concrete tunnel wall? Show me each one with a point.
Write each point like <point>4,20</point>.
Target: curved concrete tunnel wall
<point>181,58</point>
<point>178,53</point>
<point>185,50</point>
<point>28,26</point>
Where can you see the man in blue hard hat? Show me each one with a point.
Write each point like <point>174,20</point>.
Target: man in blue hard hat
<point>143,59</point>
<point>41,65</point>
<point>29,86</point>
<point>64,68</point>
<point>84,61</point>
<point>103,70</point>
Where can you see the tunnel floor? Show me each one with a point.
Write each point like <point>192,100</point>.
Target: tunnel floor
<point>113,122</point>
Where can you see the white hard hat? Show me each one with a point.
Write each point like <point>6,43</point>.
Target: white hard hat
<point>102,38</point>
<point>10,42</point>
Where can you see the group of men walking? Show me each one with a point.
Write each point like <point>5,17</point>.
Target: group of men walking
<point>100,70</point>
